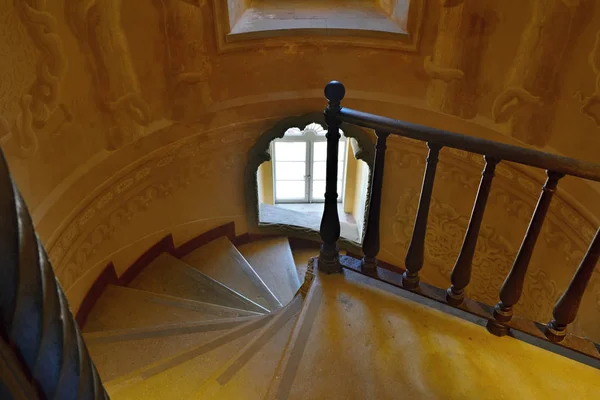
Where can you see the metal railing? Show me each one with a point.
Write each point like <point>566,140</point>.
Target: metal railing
<point>500,317</point>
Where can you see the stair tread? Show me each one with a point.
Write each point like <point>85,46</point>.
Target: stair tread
<point>115,359</point>
<point>172,276</point>
<point>221,261</point>
<point>123,308</point>
<point>273,261</point>
<point>180,381</point>
<point>252,379</point>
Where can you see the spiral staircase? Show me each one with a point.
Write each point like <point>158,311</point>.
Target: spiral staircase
<point>257,321</point>
<point>260,316</point>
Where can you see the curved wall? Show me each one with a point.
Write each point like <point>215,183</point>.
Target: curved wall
<point>122,122</point>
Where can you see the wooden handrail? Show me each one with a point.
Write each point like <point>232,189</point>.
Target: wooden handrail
<point>501,151</point>
<point>501,320</point>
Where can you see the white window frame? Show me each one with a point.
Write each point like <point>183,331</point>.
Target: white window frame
<point>309,135</point>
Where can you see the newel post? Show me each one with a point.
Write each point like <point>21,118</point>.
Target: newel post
<point>329,257</point>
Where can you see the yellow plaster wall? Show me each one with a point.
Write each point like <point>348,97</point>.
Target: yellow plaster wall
<point>138,127</point>
<point>350,182</point>
<point>265,183</point>
<point>361,180</point>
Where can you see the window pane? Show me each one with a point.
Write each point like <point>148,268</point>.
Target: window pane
<point>319,170</point>
<point>290,190</point>
<point>318,190</point>
<point>320,151</point>
<point>342,150</point>
<point>287,171</point>
<point>290,151</point>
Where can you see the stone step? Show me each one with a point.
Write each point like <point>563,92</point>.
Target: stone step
<point>118,358</point>
<point>125,308</point>
<point>249,373</point>
<point>221,261</point>
<point>170,276</point>
<point>180,381</point>
<point>273,261</point>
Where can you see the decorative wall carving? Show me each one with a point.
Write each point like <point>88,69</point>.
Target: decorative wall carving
<point>588,103</point>
<point>201,159</point>
<point>528,100</point>
<point>188,65</point>
<point>41,101</point>
<point>97,26</point>
<point>455,63</point>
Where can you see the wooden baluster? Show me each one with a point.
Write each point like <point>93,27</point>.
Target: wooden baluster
<point>511,290</point>
<point>461,274</point>
<point>414,256</point>
<point>371,239</point>
<point>567,306</point>
<point>329,257</point>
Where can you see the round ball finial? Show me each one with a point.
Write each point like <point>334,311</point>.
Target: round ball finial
<point>335,91</point>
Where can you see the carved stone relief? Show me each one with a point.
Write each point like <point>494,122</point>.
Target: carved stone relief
<point>41,99</point>
<point>455,63</point>
<point>187,63</point>
<point>528,99</point>
<point>589,104</point>
<point>97,26</point>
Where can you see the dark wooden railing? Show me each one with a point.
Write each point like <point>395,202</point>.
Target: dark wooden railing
<point>38,334</point>
<point>500,317</point>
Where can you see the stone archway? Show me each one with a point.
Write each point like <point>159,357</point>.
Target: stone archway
<point>364,150</point>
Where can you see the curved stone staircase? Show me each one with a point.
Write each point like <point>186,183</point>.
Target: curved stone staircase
<point>258,322</point>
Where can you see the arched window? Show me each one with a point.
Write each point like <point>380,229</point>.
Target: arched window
<point>299,165</point>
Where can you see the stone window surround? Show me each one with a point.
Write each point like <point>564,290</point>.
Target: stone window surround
<point>363,146</point>
<point>408,16</point>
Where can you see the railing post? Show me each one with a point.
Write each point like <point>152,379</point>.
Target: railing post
<point>511,290</point>
<point>329,258</point>
<point>416,249</point>
<point>371,239</point>
<point>567,306</point>
<point>461,273</point>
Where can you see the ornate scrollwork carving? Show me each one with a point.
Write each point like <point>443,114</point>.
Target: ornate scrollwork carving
<point>588,103</point>
<point>455,62</point>
<point>187,63</point>
<point>42,99</point>
<point>530,89</point>
<point>116,79</point>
